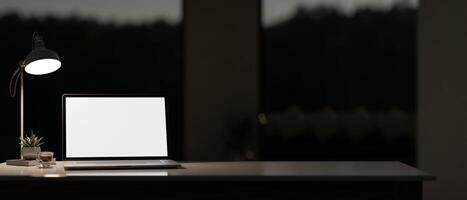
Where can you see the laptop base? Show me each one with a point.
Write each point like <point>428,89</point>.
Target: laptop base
<point>120,164</point>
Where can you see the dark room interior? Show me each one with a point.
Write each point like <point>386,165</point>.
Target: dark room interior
<point>260,99</point>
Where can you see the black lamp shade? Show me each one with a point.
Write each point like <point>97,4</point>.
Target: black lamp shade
<point>41,60</point>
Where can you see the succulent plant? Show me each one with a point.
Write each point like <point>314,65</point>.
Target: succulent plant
<point>31,141</point>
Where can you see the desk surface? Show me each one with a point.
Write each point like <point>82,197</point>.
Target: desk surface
<point>232,171</point>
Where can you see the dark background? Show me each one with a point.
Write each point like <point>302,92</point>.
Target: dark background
<point>329,85</point>
<point>340,87</point>
<point>225,33</point>
<point>96,58</point>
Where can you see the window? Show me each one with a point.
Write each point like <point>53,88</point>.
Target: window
<point>338,79</point>
<point>111,46</point>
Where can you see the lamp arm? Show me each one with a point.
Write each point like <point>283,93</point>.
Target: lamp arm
<point>14,78</point>
<point>18,75</point>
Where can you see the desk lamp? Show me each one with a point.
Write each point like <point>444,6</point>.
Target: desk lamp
<point>39,61</point>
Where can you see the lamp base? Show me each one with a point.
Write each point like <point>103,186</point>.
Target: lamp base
<point>21,162</point>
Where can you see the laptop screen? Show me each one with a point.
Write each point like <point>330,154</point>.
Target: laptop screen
<point>114,127</point>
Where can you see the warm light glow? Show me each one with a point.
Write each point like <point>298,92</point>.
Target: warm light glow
<point>53,175</point>
<point>43,66</point>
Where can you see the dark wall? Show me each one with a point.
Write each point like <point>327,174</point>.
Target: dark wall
<point>442,97</point>
<point>221,78</point>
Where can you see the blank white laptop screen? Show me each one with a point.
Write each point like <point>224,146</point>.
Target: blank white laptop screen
<point>115,127</point>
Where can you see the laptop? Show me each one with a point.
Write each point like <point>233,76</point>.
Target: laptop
<point>111,131</point>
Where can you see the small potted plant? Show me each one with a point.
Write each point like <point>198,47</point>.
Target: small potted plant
<point>30,146</point>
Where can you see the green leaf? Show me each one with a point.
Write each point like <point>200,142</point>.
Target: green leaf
<point>31,141</point>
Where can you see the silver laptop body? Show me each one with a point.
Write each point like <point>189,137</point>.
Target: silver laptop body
<point>110,131</point>
<point>121,164</point>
